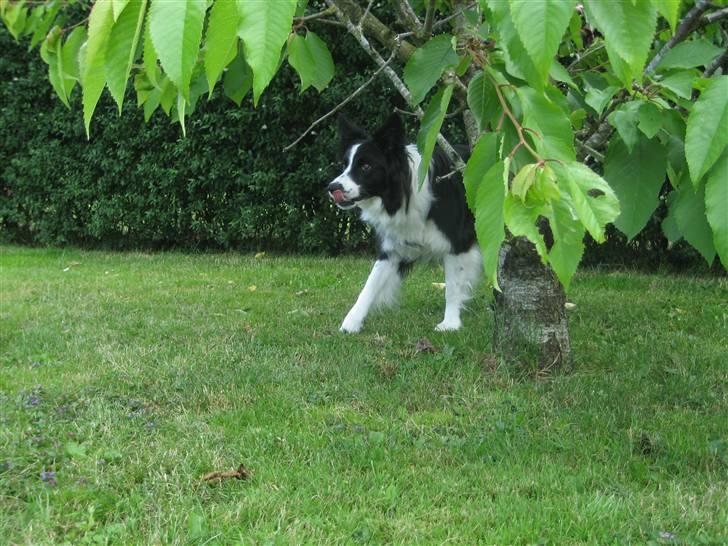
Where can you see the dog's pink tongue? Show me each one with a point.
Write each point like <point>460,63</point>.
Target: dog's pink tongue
<point>338,196</point>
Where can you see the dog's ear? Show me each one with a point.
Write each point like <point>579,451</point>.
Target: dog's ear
<point>391,136</point>
<point>349,132</point>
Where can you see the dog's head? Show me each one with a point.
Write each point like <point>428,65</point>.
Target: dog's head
<point>368,161</point>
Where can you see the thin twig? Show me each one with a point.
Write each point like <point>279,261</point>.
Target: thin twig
<point>429,20</point>
<point>407,16</point>
<point>404,112</point>
<point>344,102</point>
<point>356,32</point>
<point>449,18</point>
<point>450,174</point>
<point>686,26</point>
<point>590,151</point>
<point>519,128</point>
<point>313,16</point>
<point>714,16</point>
<point>717,63</point>
<point>366,12</point>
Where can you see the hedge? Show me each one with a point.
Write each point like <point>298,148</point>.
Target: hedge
<point>227,185</point>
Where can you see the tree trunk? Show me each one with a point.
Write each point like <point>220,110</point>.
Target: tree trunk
<point>530,327</point>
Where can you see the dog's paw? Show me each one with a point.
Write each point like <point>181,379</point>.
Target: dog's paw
<point>448,326</point>
<point>350,327</point>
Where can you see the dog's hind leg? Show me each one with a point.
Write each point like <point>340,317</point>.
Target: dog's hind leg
<point>462,273</point>
<point>381,288</point>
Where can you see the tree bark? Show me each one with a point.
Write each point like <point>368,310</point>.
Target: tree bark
<point>531,327</point>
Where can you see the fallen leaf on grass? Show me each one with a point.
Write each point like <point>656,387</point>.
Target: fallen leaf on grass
<point>569,306</point>
<point>302,292</point>
<point>241,473</point>
<point>252,288</point>
<point>424,345</point>
<point>259,255</point>
<point>440,285</point>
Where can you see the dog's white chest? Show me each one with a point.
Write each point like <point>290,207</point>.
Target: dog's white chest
<point>407,233</point>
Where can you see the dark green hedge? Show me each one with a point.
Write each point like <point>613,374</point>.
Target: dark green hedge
<point>228,185</point>
<point>136,185</point>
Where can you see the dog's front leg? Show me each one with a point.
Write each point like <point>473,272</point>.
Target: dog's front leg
<point>383,273</point>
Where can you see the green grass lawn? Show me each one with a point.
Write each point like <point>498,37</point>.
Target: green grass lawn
<point>124,378</point>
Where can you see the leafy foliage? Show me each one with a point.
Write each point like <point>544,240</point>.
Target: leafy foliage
<point>578,117</point>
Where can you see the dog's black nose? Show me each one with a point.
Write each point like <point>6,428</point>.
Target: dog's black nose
<point>335,186</point>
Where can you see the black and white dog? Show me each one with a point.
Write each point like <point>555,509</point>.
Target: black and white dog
<point>411,222</point>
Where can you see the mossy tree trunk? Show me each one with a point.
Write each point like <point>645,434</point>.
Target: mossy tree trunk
<point>531,327</point>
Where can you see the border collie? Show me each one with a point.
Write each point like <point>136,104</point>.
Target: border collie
<point>411,222</point>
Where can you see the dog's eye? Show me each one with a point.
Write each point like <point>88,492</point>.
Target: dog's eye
<point>365,167</point>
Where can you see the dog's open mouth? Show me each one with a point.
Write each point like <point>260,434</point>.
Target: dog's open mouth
<point>340,199</point>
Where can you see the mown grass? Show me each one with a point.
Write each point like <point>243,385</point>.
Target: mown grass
<point>124,378</point>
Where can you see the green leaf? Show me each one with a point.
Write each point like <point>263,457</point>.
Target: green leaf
<point>594,201</point>
<point>430,128</point>
<point>46,22</point>
<point>620,66</point>
<point>688,207</point>
<point>489,221</point>
<point>426,65</point>
<point>181,107</point>
<point>93,77</point>
<point>122,48</point>
<point>707,131</point>
<point>669,225</point>
<point>554,138</point>
<point>483,100</point>
<point>650,119</point>
<point>221,40</point>
<point>544,188</point>
<point>149,57</point>
<point>568,247</point>
<point>599,98</point>
<point>264,29</point>
<point>690,54</point>
<point>521,222</point>
<point>75,451</point>
<point>484,156</point>
<point>716,206</point>
<point>540,26</point>
<point>50,52</point>
<point>312,60</point>
<point>680,83</point>
<point>575,25</point>
<point>238,80</point>
<point>523,181</point>
<point>168,94</point>
<point>559,73</point>
<point>70,72</point>
<point>118,7</point>
<point>669,9</point>
<point>628,28</point>
<point>624,119</point>
<point>518,62</point>
<point>176,31</point>
<point>636,178</point>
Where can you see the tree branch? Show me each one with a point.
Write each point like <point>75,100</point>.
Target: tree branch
<point>343,102</point>
<point>687,25</point>
<point>357,33</point>
<point>716,15</point>
<point>429,19</point>
<point>717,63</point>
<point>407,16</point>
<point>372,26</point>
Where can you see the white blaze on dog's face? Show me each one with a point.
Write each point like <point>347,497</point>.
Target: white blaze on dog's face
<point>366,159</point>
<point>343,189</point>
